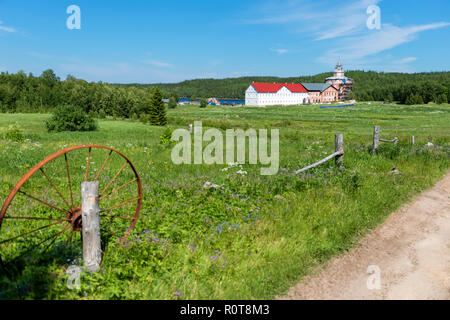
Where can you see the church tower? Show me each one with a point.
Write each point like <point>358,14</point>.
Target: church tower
<point>340,81</point>
<point>339,70</point>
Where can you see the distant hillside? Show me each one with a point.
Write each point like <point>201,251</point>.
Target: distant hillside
<point>369,85</point>
<point>224,88</point>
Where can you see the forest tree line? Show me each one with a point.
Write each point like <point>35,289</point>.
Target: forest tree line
<point>368,86</point>
<point>28,93</point>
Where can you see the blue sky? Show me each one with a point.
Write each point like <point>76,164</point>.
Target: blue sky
<point>169,41</point>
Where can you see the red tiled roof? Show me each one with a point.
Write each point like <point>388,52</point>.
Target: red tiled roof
<point>275,87</point>
<point>294,87</point>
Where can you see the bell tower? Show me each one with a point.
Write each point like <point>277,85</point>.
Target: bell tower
<point>340,81</point>
<point>339,70</point>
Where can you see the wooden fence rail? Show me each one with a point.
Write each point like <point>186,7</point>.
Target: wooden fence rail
<point>377,139</point>
<point>338,155</point>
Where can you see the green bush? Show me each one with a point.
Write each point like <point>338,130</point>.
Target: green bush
<point>203,103</point>
<point>102,114</point>
<point>166,137</point>
<point>13,133</point>
<point>70,118</point>
<point>172,103</point>
<point>144,118</point>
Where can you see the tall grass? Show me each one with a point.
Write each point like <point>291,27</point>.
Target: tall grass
<point>254,237</point>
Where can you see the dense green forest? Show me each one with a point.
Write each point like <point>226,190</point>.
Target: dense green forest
<point>369,86</point>
<point>28,93</point>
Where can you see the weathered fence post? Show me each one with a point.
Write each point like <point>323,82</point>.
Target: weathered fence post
<point>413,140</point>
<point>395,141</point>
<point>339,147</point>
<point>92,253</point>
<point>376,139</point>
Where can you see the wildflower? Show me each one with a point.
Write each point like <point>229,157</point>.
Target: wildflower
<point>177,293</point>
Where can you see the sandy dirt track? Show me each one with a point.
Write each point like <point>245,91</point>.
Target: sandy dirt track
<point>411,250</point>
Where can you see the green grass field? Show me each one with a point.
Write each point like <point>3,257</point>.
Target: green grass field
<point>252,239</point>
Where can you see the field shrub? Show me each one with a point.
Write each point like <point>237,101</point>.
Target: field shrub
<point>71,118</point>
<point>13,133</point>
<point>166,137</point>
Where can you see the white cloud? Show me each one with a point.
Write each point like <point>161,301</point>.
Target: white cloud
<point>342,25</point>
<point>406,60</point>
<point>6,28</point>
<point>156,63</point>
<point>376,41</point>
<point>279,51</point>
<point>323,20</point>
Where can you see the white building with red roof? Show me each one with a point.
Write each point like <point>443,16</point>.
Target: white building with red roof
<point>275,94</point>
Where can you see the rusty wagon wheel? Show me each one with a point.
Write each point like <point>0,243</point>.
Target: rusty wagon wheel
<point>43,211</point>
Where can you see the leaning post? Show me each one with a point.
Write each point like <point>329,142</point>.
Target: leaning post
<point>92,253</point>
<point>376,138</point>
<point>339,147</point>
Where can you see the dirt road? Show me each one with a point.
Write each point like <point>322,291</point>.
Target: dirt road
<point>407,257</point>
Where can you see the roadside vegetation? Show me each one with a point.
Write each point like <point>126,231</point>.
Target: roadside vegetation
<point>253,237</point>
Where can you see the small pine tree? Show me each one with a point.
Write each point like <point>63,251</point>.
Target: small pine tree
<point>157,114</point>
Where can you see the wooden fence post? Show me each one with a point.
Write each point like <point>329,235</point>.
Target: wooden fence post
<point>376,139</point>
<point>339,147</point>
<point>92,253</point>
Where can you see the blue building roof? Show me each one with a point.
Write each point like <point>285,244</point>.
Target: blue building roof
<point>316,86</point>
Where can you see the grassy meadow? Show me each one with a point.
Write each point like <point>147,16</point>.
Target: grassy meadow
<point>254,237</point>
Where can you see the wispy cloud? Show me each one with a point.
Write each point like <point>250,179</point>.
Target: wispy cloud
<point>156,63</point>
<point>322,20</point>
<point>342,25</point>
<point>406,60</point>
<point>373,42</point>
<point>6,28</point>
<point>279,51</point>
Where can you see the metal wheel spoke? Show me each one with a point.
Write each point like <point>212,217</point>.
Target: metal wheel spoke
<point>120,205</point>
<point>70,237</point>
<point>54,239</point>
<point>56,189</point>
<point>117,217</point>
<point>68,177</point>
<point>30,232</point>
<point>43,202</point>
<point>113,179</point>
<point>33,218</point>
<point>103,166</point>
<point>114,191</point>
<point>112,233</point>
<point>29,250</point>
